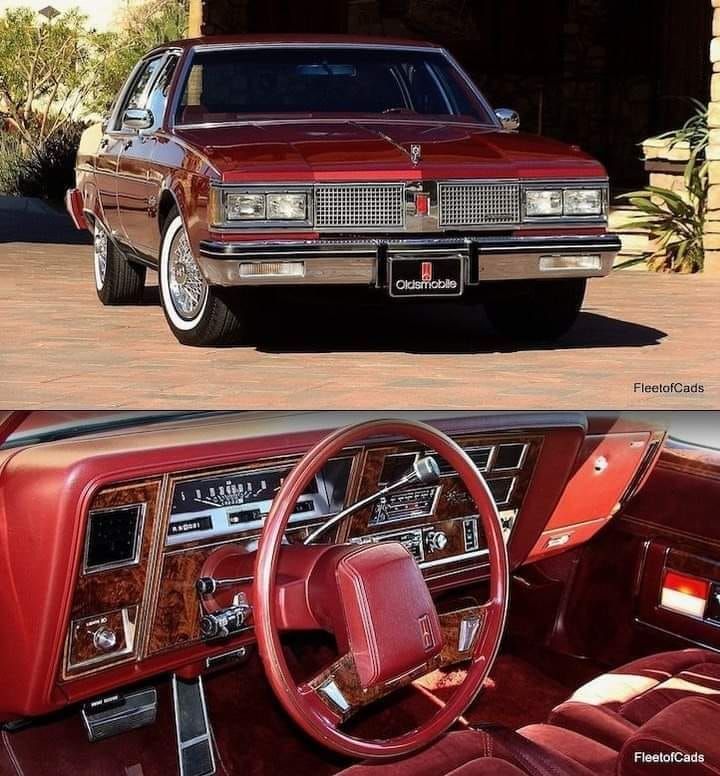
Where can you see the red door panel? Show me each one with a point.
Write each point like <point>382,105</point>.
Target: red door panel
<point>678,590</point>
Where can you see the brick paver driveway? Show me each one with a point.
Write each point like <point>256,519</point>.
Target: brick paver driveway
<point>59,347</point>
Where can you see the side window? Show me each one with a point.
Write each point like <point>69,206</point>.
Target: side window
<point>134,98</point>
<point>157,99</point>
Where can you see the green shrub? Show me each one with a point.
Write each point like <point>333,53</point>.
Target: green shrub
<point>12,159</point>
<point>46,173</point>
<point>677,223</point>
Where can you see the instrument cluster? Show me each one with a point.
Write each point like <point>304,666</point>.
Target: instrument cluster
<point>219,505</point>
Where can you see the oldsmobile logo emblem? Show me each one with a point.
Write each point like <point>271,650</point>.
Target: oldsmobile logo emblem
<point>415,153</point>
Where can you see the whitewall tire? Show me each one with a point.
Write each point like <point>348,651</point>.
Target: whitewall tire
<point>197,313</point>
<point>117,281</point>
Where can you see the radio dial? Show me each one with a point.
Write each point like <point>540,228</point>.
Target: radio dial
<point>437,540</point>
<point>104,639</point>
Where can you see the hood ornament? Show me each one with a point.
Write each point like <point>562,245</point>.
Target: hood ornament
<point>415,153</point>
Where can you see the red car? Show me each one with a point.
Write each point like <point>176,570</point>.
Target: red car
<point>332,161</point>
<point>469,594</point>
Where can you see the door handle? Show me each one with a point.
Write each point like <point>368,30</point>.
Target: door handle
<point>127,145</point>
<point>104,142</point>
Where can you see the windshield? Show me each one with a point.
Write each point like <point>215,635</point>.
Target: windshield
<point>228,85</point>
<point>50,425</point>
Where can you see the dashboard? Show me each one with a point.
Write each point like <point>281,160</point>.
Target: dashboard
<point>123,547</point>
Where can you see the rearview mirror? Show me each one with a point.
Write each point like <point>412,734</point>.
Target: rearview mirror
<point>509,118</point>
<point>138,118</point>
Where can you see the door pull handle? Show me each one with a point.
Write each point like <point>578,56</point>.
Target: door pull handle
<point>104,142</point>
<point>127,145</point>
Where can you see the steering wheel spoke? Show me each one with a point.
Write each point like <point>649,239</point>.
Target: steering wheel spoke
<point>340,688</point>
<point>461,631</point>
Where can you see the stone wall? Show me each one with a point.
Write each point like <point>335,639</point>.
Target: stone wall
<point>712,227</point>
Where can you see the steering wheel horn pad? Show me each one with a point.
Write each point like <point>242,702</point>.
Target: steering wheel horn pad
<point>376,602</point>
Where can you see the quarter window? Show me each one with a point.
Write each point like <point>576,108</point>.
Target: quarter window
<point>157,99</point>
<point>135,98</point>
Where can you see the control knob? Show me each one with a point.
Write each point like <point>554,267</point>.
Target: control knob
<point>104,639</point>
<point>437,540</point>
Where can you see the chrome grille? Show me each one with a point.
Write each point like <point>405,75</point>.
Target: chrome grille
<point>371,206</point>
<point>479,204</point>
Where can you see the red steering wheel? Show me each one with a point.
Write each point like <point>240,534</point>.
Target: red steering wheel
<point>373,598</point>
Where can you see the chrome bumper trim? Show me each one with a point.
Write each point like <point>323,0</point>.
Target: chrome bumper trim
<point>355,261</point>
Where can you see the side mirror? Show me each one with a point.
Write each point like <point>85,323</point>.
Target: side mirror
<point>138,118</point>
<point>509,119</point>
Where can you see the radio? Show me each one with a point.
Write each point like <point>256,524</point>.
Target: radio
<point>405,505</point>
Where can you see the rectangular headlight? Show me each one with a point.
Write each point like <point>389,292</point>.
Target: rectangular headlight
<point>583,202</point>
<point>242,206</point>
<point>287,207</point>
<point>540,202</point>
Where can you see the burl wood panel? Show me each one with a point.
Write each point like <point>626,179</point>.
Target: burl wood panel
<point>110,590</point>
<point>177,614</point>
<point>345,675</point>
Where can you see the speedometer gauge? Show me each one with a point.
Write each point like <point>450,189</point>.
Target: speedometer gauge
<point>229,490</point>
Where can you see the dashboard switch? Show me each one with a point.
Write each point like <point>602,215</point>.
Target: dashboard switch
<point>437,541</point>
<point>224,622</point>
<point>104,639</point>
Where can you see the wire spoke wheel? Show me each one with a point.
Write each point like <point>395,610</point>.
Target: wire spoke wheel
<point>101,255</point>
<point>186,284</point>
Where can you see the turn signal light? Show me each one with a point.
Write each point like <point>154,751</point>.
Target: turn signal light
<point>586,262</point>
<point>272,268</point>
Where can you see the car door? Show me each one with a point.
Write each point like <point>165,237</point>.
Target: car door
<point>651,581</point>
<point>678,584</point>
<point>114,138</point>
<point>134,154</point>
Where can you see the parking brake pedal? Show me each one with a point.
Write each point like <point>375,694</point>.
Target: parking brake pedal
<point>194,739</point>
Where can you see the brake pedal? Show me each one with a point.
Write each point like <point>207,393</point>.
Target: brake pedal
<point>194,737</point>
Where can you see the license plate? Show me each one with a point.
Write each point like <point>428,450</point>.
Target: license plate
<point>413,276</point>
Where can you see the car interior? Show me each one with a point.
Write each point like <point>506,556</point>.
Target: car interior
<point>345,593</point>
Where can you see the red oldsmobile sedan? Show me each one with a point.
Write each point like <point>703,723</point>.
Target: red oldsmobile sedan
<point>231,162</point>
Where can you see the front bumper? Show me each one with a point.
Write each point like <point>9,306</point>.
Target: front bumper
<point>364,261</point>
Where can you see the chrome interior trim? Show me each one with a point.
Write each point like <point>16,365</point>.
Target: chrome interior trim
<point>129,630</point>
<point>454,558</point>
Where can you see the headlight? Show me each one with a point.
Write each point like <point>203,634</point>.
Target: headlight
<point>583,202</point>
<point>237,206</point>
<point>243,206</point>
<point>287,207</point>
<point>540,203</point>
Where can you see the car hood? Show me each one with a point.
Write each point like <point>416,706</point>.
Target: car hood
<point>373,150</point>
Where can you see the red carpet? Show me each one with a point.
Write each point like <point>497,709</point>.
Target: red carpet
<point>516,693</point>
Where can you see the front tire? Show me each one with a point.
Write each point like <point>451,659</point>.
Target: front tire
<point>535,311</point>
<point>198,314</point>
<point>117,281</point>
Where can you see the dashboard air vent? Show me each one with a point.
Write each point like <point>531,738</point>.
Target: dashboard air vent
<point>480,456</point>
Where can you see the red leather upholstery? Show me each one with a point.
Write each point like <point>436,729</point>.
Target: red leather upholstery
<point>390,617</point>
